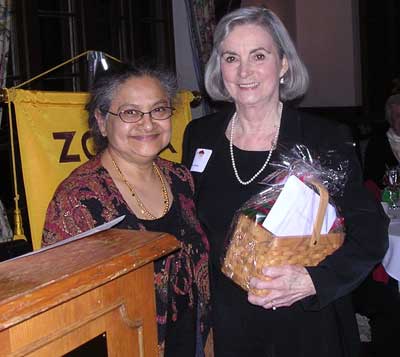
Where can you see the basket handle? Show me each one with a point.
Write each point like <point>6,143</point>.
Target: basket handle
<point>323,204</point>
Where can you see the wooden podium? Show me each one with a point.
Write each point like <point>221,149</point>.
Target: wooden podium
<point>53,301</point>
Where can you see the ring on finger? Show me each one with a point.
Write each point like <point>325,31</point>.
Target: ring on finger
<point>273,305</point>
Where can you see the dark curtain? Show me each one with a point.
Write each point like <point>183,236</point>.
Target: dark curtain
<point>201,18</point>
<point>5,25</point>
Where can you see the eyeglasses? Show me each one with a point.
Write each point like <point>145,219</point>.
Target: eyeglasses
<point>134,115</point>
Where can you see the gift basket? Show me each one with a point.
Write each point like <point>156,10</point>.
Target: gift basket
<point>250,246</point>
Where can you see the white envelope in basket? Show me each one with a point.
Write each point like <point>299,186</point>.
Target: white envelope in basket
<point>295,210</point>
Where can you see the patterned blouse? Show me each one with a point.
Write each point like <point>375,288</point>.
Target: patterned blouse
<point>89,197</point>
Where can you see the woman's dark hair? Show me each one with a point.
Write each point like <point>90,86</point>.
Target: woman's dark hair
<point>106,85</point>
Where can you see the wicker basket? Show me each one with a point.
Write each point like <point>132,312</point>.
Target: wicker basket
<point>252,247</point>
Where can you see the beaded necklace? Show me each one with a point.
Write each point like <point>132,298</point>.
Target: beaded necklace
<point>139,202</point>
<point>273,146</point>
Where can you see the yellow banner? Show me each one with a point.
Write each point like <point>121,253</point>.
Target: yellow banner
<point>54,139</point>
<point>181,118</point>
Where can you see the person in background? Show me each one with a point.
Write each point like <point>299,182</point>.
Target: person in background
<point>383,149</point>
<point>378,296</point>
<point>130,113</point>
<point>308,311</point>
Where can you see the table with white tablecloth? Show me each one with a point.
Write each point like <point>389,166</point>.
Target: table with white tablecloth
<point>391,261</point>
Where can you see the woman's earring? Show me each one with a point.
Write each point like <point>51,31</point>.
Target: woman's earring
<point>282,80</point>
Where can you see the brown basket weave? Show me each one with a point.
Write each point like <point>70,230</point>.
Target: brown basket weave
<point>252,247</point>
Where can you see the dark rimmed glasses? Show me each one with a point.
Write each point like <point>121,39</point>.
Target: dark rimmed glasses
<point>134,115</point>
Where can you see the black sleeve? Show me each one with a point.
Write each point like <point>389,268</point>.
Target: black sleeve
<point>366,238</point>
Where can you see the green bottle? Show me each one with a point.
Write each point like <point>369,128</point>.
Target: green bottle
<point>390,194</point>
<point>386,195</point>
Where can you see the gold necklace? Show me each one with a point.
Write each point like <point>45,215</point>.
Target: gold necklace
<point>139,202</point>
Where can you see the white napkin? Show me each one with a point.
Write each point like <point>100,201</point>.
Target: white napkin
<point>391,261</point>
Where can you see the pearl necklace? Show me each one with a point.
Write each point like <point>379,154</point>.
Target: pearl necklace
<point>273,146</point>
<point>139,202</point>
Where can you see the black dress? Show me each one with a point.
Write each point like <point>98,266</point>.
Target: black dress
<point>320,325</point>
<point>227,296</point>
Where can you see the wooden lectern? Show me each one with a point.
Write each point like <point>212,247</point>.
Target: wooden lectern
<point>54,301</point>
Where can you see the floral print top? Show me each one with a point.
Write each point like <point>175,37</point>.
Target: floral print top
<point>89,197</point>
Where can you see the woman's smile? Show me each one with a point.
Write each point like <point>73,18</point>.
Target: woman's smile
<point>248,85</point>
<point>147,137</point>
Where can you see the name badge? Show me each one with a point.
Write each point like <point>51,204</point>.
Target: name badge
<point>200,160</point>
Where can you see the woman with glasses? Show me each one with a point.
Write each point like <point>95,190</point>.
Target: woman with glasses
<point>130,113</point>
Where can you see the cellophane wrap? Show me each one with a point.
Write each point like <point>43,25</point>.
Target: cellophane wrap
<point>247,238</point>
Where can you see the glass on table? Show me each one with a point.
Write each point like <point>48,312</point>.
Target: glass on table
<point>391,193</point>
<point>393,212</point>
<point>393,176</point>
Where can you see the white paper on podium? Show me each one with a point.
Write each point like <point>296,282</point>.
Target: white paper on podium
<point>94,230</point>
<point>295,210</point>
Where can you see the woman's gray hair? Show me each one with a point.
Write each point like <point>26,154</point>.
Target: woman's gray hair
<point>393,99</point>
<point>296,78</point>
<point>106,86</point>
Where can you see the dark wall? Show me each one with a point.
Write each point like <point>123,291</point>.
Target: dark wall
<point>380,52</point>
